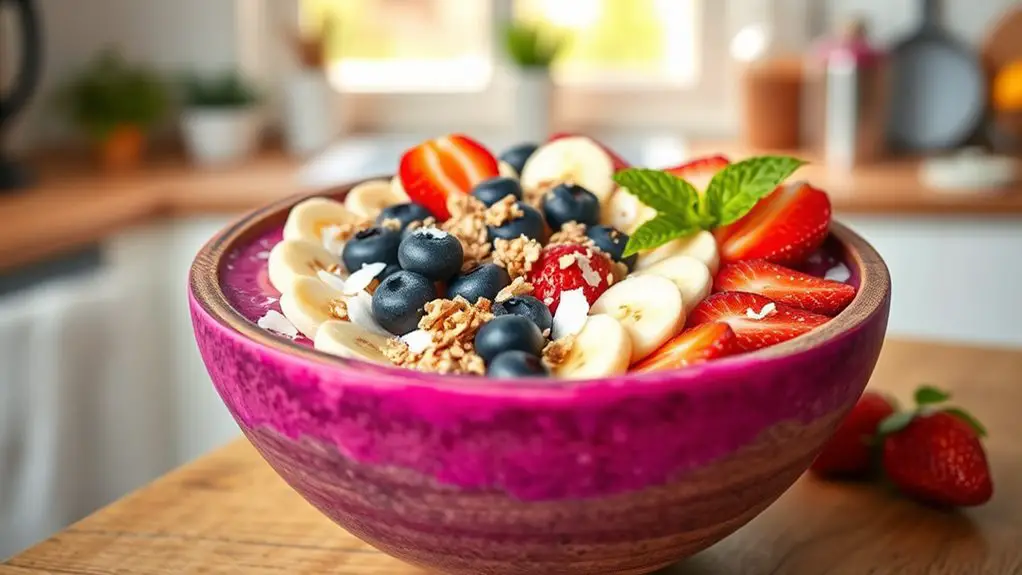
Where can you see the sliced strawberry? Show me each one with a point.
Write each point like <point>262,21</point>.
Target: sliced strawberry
<point>702,343</point>
<point>784,227</point>
<point>757,321</point>
<point>453,164</point>
<point>700,171</point>
<point>619,162</point>
<point>785,286</point>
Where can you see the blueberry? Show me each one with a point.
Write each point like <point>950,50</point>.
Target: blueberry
<point>370,246</point>
<point>493,190</point>
<point>404,213</point>
<point>516,156</point>
<point>570,203</point>
<point>481,281</point>
<point>507,333</point>
<point>528,307</point>
<point>399,301</point>
<point>432,253</point>
<point>388,271</point>
<point>612,242</point>
<point>530,224</point>
<point>516,364</point>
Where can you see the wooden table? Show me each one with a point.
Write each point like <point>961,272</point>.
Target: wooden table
<point>229,513</point>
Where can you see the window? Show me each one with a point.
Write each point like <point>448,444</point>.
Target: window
<point>412,65</point>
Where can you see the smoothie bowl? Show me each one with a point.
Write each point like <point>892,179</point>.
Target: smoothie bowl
<point>616,431</point>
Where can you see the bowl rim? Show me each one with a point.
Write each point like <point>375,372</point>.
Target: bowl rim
<point>205,288</point>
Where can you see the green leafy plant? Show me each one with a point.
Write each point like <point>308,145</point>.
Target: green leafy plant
<point>683,211</point>
<point>111,93</point>
<point>533,46</point>
<point>224,90</point>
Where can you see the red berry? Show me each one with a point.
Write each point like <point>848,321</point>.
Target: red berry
<point>785,286</point>
<point>938,458</point>
<point>757,321</point>
<point>850,451</point>
<point>565,267</point>
<point>702,343</point>
<point>435,169</point>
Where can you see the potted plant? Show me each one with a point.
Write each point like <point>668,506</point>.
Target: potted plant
<point>310,113</point>
<point>220,121</point>
<point>533,49</point>
<point>115,104</point>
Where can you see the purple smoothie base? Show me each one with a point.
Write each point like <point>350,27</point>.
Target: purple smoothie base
<point>537,443</point>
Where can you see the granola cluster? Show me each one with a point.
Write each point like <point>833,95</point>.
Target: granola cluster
<point>468,224</point>
<point>571,233</point>
<point>517,256</point>
<point>504,211</point>
<point>557,352</point>
<point>452,327</point>
<point>334,237</point>
<point>517,287</point>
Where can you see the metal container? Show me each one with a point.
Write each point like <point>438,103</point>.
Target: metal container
<point>847,99</point>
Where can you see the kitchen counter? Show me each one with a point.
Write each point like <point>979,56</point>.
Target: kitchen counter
<point>230,513</point>
<point>75,206</point>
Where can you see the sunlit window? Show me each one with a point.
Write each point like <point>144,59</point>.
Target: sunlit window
<point>447,45</point>
<point>406,45</point>
<point>621,42</point>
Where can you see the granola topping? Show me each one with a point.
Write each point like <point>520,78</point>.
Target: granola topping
<point>504,211</point>
<point>518,287</point>
<point>452,326</point>
<point>517,256</point>
<point>468,224</point>
<point>556,352</point>
<point>571,233</point>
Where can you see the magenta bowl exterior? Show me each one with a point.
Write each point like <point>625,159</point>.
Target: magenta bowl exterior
<point>616,476</point>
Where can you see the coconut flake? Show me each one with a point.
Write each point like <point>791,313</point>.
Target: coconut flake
<point>435,233</point>
<point>571,314</point>
<point>767,310</point>
<point>417,341</point>
<point>360,312</point>
<point>838,273</point>
<point>276,322</point>
<point>333,280</point>
<point>591,276</point>
<point>361,279</point>
<point>331,239</point>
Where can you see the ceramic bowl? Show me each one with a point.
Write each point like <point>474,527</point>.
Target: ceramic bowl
<point>462,475</point>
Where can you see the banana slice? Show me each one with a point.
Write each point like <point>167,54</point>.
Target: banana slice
<point>625,212</point>
<point>649,307</point>
<point>507,170</point>
<point>398,189</point>
<point>690,275</point>
<point>578,160</point>
<point>291,260</point>
<point>702,246</point>
<point>310,303</point>
<point>368,199</point>
<point>603,348</point>
<point>309,218</point>
<point>345,339</point>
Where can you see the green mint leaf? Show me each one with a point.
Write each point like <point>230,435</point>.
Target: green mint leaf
<point>895,422</point>
<point>658,231</point>
<point>661,191</point>
<point>968,418</point>
<point>928,395</point>
<point>734,190</point>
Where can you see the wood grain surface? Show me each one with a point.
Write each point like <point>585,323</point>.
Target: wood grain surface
<point>74,206</point>
<point>229,514</point>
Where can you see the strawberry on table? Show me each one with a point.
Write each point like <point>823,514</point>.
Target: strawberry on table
<point>783,228</point>
<point>849,453</point>
<point>619,162</point>
<point>437,168</point>
<point>934,454</point>
<point>565,267</point>
<point>757,321</point>
<point>700,171</point>
<point>701,343</point>
<point>784,285</point>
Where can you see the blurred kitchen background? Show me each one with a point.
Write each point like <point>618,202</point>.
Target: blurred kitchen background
<point>133,129</point>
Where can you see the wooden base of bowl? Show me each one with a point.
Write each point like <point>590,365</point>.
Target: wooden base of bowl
<point>487,533</point>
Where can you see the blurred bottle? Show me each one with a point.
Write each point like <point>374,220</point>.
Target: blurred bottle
<point>846,98</point>
<point>772,103</point>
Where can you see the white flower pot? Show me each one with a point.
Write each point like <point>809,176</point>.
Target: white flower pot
<point>219,136</point>
<point>533,101</point>
<point>310,114</point>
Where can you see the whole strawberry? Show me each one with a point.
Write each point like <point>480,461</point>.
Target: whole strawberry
<point>565,267</point>
<point>934,454</point>
<point>849,453</point>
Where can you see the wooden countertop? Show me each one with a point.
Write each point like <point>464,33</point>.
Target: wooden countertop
<point>74,206</point>
<point>229,513</point>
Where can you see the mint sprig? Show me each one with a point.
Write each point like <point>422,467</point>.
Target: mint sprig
<point>682,211</point>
